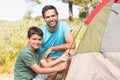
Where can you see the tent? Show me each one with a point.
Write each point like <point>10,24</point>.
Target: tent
<point>98,54</point>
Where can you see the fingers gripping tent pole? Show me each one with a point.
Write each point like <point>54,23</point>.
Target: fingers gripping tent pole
<point>74,40</point>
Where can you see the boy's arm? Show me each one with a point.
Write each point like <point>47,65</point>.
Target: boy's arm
<point>37,69</point>
<point>50,63</point>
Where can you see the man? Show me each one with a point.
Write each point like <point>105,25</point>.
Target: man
<point>27,66</point>
<point>57,35</point>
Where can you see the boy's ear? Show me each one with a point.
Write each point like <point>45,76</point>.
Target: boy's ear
<point>27,39</point>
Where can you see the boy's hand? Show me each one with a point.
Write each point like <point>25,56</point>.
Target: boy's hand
<point>63,66</point>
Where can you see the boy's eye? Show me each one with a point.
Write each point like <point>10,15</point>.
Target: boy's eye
<point>37,39</point>
<point>40,39</point>
<point>34,39</point>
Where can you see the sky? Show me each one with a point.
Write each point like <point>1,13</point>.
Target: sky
<point>13,10</point>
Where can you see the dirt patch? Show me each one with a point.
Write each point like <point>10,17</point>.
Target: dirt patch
<point>5,76</point>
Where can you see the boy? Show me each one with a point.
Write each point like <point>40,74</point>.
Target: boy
<point>27,66</point>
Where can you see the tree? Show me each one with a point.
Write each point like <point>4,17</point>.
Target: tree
<point>30,5</point>
<point>70,11</point>
<point>27,16</point>
<point>76,2</point>
<point>70,2</point>
<point>35,1</point>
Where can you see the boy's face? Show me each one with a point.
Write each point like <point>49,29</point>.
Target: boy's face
<point>34,42</point>
<point>51,18</point>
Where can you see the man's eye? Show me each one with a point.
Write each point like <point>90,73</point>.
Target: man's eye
<point>53,15</point>
<point>47,17</point>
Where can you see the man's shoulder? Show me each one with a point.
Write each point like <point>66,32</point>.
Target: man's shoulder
<point>62,22</point>
<point>44,27</point>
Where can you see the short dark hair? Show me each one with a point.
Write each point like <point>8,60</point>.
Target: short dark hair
<point>48,7</point>
<point>35,30</point>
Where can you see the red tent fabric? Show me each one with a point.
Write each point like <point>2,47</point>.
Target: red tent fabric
<point>117,1</point>
<point>95,11</point>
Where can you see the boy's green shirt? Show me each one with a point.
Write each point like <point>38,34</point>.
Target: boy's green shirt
<point>26,58</point>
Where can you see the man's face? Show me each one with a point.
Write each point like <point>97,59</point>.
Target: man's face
<point>34,41</point>
<point>51,18</point>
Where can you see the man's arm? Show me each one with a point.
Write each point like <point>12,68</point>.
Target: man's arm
<point>70,44</point>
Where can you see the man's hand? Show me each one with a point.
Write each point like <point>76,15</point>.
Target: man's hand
<point>64,57</point>
<point>67,55</point>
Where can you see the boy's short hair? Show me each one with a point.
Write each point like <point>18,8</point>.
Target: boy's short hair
<point>35,30</point>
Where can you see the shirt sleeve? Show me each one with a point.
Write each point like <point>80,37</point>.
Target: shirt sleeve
<point>67,29</point>
<point>28,58</point>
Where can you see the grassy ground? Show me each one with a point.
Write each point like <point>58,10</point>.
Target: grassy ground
<point>5,76</point>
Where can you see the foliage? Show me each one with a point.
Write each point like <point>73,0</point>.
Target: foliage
<point>77,2</point>
<point>37,1</point>
<point>84,12</point>
<point>95,3</point>
<point>34,1</point>
<point>82,15</point>
<point>38,18</point>
<point>28,16</point>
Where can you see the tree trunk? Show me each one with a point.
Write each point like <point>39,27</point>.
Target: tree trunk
<point>70,11</point>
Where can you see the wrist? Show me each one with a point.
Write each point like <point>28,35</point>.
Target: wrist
<point>70,53</point>
<point>59,60</point>
<point>53,48</point>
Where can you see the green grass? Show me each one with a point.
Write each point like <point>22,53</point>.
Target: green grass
<point>13,38</point>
